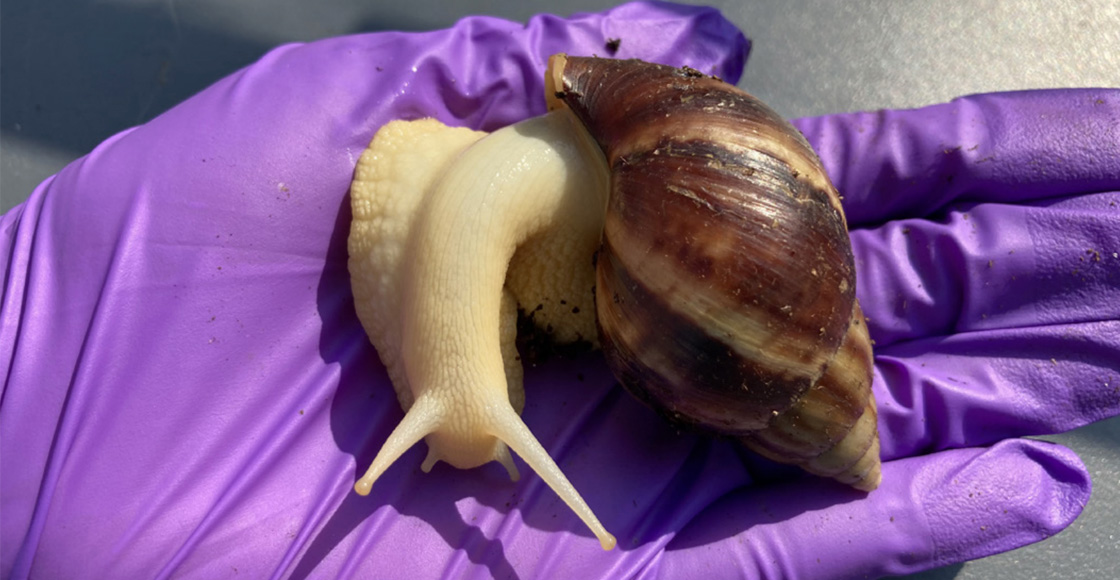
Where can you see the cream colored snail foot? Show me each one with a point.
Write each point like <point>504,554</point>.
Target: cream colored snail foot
<point>723,290</point>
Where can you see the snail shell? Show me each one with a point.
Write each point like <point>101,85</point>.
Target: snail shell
<point>725,283</point>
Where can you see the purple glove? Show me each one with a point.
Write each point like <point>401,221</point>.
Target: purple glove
<point>188,391</point>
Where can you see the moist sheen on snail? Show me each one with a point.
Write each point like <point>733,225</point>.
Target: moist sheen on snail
<point>722,290</point>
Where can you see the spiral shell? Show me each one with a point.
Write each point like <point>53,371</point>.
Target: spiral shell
<point>725,282</point>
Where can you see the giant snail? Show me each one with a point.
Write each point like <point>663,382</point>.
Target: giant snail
<point>665,215</point>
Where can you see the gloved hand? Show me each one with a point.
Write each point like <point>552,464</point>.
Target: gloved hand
<point>188,391</point>
<point>986,233</point>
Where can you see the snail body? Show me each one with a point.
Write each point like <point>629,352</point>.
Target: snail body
<point>665,214</point>
<point>442,218</point>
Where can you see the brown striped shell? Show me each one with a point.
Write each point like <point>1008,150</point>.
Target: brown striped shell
<point>725,282</point>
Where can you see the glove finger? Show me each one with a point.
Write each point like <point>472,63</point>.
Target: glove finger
<point>930,511</point>
<point>997,321</point>
<point>976,388</point>
<point>467,79</point>
<point>992,266</point>
<point>177,321</point>
<point>1000,147</point>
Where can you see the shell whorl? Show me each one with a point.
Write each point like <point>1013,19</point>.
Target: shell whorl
<point>725,283</point>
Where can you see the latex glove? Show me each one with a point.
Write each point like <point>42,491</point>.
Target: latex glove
<point>188,391</point>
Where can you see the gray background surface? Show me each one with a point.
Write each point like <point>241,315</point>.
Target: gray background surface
<point>74,72</point>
